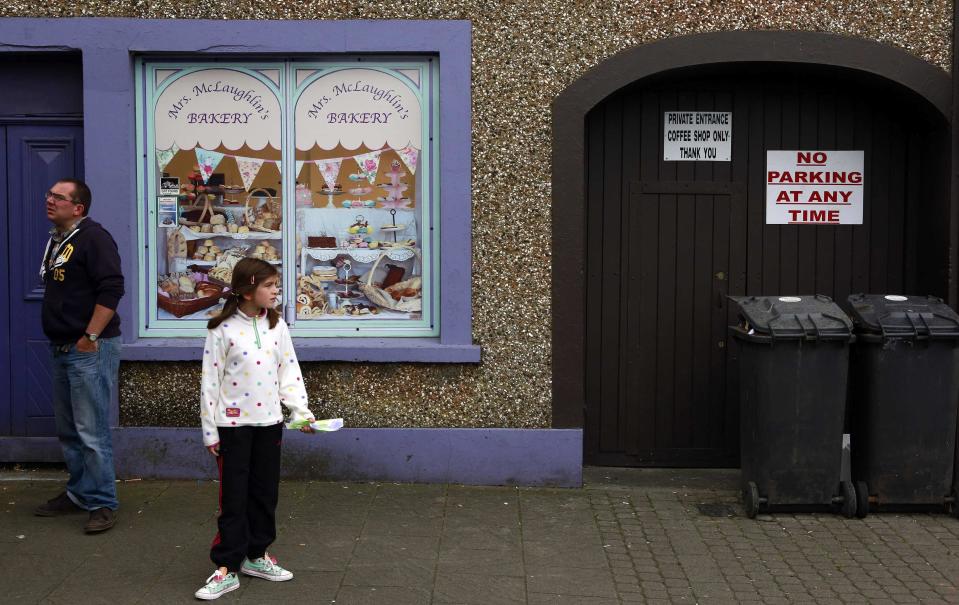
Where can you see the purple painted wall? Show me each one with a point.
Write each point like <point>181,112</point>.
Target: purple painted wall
<point>475,456</point>
<point>108,46</point>
<point>470,456</point>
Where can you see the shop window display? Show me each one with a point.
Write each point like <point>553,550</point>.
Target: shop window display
<point>319,168</point>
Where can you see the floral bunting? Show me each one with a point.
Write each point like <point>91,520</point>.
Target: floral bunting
<point>165,155</point>
<point>369,164</point>
<point>208,161</point>
<point>409,155</point>
<point>330,169</point>
<point>249,168</point>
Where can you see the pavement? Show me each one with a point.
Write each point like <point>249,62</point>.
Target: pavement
<point>628,536</point>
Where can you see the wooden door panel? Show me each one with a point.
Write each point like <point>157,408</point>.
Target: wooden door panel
<point>37,157</point>
<point>668,241</point>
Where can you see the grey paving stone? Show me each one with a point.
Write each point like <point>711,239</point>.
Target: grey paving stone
<point>380,547</point>
<point>564,554</point>
<point>409,573</point>
<point>570,581</point>
<point>483,562</point>
<point>478,589</point>
<point>551,599</point>
<point>403,525</point>
<point>389,595</point>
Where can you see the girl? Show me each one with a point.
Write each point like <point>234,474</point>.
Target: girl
<point>249,369</point>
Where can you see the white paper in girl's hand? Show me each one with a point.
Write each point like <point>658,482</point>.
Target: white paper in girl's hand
<point>326,426</point>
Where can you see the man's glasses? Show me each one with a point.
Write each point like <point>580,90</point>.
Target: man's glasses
<point>57,197</point>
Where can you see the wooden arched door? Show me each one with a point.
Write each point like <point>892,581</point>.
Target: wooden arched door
<point>667,242</point>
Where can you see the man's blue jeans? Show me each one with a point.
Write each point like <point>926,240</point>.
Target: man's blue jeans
<point>83,384</point>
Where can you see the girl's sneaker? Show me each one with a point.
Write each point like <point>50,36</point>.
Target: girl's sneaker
<point>265,567</point>
<point>218,585</point>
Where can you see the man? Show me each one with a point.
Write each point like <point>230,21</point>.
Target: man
<point>83,285</point>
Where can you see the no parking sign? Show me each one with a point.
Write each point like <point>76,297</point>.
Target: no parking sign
<point>814,187</point>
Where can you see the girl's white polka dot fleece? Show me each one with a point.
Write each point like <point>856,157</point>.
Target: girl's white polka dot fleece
<point>248,371</point>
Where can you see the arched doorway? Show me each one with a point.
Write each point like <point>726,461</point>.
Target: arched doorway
<point>641,361</point>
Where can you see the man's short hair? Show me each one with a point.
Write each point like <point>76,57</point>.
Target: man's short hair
<point>81,194</point>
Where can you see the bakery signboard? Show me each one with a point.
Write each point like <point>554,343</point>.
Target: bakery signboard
<point>814,187</point>
<point>358,108</point>
<point>213,107</point>
<point>697,136</point>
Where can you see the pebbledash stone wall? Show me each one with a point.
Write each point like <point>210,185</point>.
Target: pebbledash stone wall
<point>524,54</point>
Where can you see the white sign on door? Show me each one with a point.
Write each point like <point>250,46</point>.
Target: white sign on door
<point>697,136</point>
<point>814,187</point>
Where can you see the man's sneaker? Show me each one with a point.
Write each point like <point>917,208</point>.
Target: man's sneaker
<point>265,567</point>
<point>54,507</point>
<point>218,585</point>
<point>100,519</point>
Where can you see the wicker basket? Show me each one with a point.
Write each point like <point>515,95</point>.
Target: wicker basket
<point>206,271</point>
<point>382,298</point>
<point>181,308</point>
<point>272,204</point>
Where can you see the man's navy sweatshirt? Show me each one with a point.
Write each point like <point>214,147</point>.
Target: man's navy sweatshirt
<point>85,273</point>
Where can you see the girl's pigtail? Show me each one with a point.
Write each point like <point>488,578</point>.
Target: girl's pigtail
<point>231,306</point>
<point>273,316</point>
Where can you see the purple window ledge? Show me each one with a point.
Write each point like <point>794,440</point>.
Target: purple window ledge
<point>416,350</point>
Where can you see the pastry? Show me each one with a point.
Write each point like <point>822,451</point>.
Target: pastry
<point>205,289</point>
<point>219,229</point>
<point>176,245</point>
<point>186,284</point>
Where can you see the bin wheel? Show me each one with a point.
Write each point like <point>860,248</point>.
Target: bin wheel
<point>848,499</point>
<point>751,499</point>
<point>862,499</point>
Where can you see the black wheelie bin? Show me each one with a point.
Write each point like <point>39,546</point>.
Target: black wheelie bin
<point>793,368</point>
<point>904,388</point>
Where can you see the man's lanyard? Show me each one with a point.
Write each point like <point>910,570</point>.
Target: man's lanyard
<point>47,256</point>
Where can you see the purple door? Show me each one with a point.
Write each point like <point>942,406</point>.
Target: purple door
<point>32,157</point>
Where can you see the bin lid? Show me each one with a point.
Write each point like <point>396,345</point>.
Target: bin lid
<point>901,316</point>
<point>811,317</point>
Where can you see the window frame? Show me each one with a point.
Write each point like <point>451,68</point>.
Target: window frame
<point>288,92</point>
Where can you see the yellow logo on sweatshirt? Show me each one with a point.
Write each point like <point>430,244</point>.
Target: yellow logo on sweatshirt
<point>65,255</point>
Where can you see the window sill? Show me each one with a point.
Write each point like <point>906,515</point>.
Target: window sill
<point>382,350</point>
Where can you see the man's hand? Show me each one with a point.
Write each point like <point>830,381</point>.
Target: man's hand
<point>214,449</point>
<point>85,345</point>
